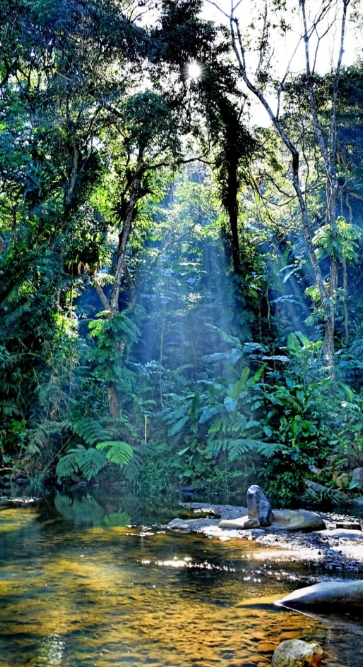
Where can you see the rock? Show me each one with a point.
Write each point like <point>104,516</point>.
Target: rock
<point>321,489</point>
<point>315,486</point>
<point>357,477</point>
<point>315,470</point>
<point>297,520</point>
<point>258,506</point>
<point>328,593</point>
<point>342,481</point>
<point>242,523</point>
<point>349,525</point>
<point>358,501</point>
<point>341,533</point>
<point>296,653</point>
<point>179,524</point>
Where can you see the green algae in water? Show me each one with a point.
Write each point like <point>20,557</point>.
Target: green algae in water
<point>82,589</point>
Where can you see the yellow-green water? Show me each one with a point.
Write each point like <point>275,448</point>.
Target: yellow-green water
<point>79,589</point>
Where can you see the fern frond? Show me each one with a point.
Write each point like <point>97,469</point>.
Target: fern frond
<point>215,447</point>
<point>236,448</point>
<point>9,408</point>
<point>39,437</point>
<point>67,466</point>
<point>131,471</point>
<point>90,462</point>
<point>8,361</point>
<point>89,430</point>
<point>119,452</point>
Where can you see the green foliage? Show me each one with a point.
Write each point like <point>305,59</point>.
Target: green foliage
<point>194,372</point>
<point>219,425</point>
<point>323,498</point>
<point>87,462</point>
<point>343,244</point>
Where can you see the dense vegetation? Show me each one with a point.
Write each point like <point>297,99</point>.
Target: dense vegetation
<point>180,288</point>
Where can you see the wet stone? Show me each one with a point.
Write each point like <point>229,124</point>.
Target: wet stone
<point>258,506</point>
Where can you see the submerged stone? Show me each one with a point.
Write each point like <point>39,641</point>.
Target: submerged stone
<point>296,653</point>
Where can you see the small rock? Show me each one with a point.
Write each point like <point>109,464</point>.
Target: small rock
<point>242,523</point>
<point>296,653</point>
<point>179,524</point>
<point>357,477</point>
<point>349,525</point>
<point>358,501</point>
<point>258,506</point>
<point>341,533</point>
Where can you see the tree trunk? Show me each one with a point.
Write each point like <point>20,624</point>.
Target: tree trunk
<point>345,300</point>
<point>113,302</point>
<point>112,400</point>
<point>233,217</point>
<point>330,316</point>
<point>124,238</point>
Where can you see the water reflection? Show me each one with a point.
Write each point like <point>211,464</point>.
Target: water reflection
<point>80,587</point>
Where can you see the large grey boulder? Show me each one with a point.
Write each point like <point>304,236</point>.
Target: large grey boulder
<point>258,506</point>
<point>297,520</point>
<point>327,593</point>
<point>357,477</point>
<point>296,653</point>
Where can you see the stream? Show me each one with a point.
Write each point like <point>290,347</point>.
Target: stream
<point>96,580</point>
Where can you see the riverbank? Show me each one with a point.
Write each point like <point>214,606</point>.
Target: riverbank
<point>338,548</point>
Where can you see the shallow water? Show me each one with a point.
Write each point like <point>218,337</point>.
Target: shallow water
<point>80,588</point>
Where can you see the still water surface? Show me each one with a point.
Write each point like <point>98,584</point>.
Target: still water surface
<point>79,588</point>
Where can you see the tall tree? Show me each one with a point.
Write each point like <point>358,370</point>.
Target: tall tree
<point>324,18</point>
